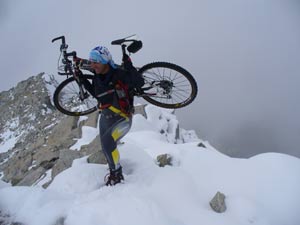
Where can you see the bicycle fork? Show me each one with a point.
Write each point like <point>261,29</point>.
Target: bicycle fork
<point>85,87</point>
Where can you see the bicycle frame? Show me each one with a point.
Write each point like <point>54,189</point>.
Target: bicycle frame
<point>163,89</point>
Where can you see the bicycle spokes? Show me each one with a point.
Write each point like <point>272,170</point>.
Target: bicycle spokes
<point>73,99</point>
<point>169,86</point>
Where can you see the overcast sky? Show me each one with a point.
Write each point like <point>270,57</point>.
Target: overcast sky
<point>244,54</point>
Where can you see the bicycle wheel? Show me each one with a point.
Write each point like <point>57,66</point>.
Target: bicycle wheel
<point>168,85</point>
<point>68,101</point>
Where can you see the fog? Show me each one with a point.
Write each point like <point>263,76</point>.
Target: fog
<point>245,56</point>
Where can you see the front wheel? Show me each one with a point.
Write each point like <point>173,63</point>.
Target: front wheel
<point>74,100</point>
<point>168,85</point>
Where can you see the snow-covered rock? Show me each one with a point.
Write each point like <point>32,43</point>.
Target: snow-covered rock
<point>262,190</point>
<point>33,133</point>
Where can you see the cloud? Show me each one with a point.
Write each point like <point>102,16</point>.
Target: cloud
<point>243,54</point>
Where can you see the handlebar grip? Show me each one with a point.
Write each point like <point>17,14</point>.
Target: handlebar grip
<point>62,39</point>
<point>118,42</point>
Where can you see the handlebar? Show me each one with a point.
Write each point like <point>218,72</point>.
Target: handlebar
<point>65,60</point>
<point>77,64</point>
<point>64,47</point>
<point>62,39</point>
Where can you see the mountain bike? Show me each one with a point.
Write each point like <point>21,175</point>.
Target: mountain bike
<point>166,85</point>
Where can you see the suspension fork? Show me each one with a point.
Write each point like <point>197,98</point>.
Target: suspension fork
<point>78,80</point>
<point>84,85</point>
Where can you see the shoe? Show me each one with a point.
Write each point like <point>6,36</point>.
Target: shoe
<point>114,177</point>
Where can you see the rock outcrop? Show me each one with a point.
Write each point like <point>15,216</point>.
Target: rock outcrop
<point>35,137</point>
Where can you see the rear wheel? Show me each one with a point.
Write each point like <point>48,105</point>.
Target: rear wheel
<point>168,85</point>
<point>67,98</point>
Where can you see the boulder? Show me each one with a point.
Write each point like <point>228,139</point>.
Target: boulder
<point>17,167</point>
<point>3,156</point>
<point>45,155</point>
<point>32,176</point>
<point>92,120</point>
<point>49,164</point>
<point>140,109</point>
<point>94,150</point>
<point>92,147</point>
<point>97,157</point>
<point>63,134</point>
<point>64,161</point>
<point>164,160</point>
<point>201,145</point>
<point>218,203</point>
<point>60,221</point>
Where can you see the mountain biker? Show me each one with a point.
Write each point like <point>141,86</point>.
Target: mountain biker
<point>112,88</point>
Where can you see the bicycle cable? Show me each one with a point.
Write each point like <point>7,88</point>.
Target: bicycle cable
<point>58,66</point>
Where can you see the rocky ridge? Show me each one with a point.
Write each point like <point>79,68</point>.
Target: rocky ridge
<point>36,139</point>
<point>34,136</point>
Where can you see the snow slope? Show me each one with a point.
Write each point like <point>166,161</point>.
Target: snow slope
<point>261,190</point>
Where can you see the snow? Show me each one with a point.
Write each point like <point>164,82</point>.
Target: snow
<point>11,95</point>
<point>9,141</point>
<point>51,84</point>
<point>32,117</point>
<point>188,135</point>
<point>262,190</point>
<point>46,111</point>
<point>44,179</point>
<point>13,124</point>
<point>88,135</point>
<point>81,118</point>
<point>49,126</point>
<point>3,184</point>
<point>33,164</point>
<point>10,135</point>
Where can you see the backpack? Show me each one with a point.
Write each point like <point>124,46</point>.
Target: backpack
<point>125,91</point>
<point>135,79</point>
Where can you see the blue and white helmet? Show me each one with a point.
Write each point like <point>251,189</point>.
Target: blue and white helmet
<point>101,54</point>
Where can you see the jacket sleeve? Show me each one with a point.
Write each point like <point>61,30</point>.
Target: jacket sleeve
<point>102,91</point>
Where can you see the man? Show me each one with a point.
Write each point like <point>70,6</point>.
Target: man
<point>112,90</point>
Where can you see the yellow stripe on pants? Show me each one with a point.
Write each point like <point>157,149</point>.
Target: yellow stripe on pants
<point>116,134</point>
<point>116,156</point>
